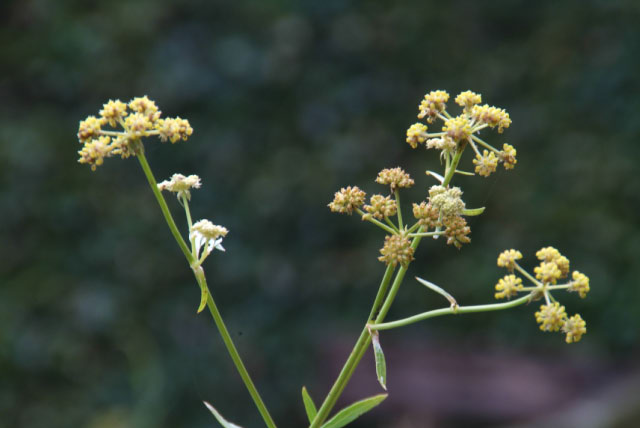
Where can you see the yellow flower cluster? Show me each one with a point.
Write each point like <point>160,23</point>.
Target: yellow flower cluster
<point>552,317</point>
<point>396,250</point>
<point>416,134</point>
<point>434,103</point>
<point>347,200</point>
<point>140,118</point>
<point>553,266</point>
<point>381,207</point>
<point>507,259</point>
<point>463,129</point>
<point>508,287</point>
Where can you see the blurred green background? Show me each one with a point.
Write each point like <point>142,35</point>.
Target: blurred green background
<point>290,101</point>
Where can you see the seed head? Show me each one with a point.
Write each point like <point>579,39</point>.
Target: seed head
<point>491,116</point>
<point>396,250</point>
<point>90,128</point>
<point>433,103</point>
<point>347,199</point>
<point>394,177</point>
<point>173,129</point>
<point>427,215</point>
<point>145,106</point>
<point>508,156</point>
<point>94,151</point>
<point>457,231</point>
<point>381,206</point>
<point>113,112</point>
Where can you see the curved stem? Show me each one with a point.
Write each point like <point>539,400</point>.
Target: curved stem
<point>163,204</point>
<point>450,311</point>
<point>199,274</point>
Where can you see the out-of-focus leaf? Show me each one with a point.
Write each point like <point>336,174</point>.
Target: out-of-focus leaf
<point>225,423</point>
<point>381,365</point>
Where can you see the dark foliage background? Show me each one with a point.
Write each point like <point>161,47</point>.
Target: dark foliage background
<point>290,101</point>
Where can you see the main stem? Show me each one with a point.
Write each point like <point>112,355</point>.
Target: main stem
<point>199,274</point>
<point>365,339</point>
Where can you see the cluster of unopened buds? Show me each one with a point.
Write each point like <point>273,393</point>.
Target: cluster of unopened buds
<point>139,118</point>
<point>463,129</point>
<point>552,268</point>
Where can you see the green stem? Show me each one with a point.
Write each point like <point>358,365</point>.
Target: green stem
<point>452,168</point>
<point>199,274</point>
<point>390,223</point>
<point>399,209</point>
<point>233,352</point>
<point>527,274</point>
<point>484,143</point>
<point>362,343</point>
<point>450,311</point>
<point>376,222</point>
<point>163,204</point>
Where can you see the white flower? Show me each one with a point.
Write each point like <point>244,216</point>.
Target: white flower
<point>181,185</point>
<point>203,233</point>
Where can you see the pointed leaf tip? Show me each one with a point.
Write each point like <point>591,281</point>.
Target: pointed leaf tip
<point>219,418</point>
<point>309,406</point>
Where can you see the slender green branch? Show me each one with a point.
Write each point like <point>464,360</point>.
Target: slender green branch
<point>413,228</point>
<point>390,223</point>
<point>484,143</point>
<point>163,204</point>
<point>376,222</point>
<point>527,275</point>
<point>399,209</point>
<point>354,357</point>
<point>187,212</point>
<point>452,168</point>
<point>361,345</point>
<point>450,311</point>
<point>233,352</point>
<point>423,234</point>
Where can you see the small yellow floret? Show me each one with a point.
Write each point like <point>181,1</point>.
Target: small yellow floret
<point>507,259</point>
<point>574,327</point>
<point>551,317</point>
<point>508,287</point>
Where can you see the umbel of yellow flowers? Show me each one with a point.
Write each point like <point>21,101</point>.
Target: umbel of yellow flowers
<point>129,123</point>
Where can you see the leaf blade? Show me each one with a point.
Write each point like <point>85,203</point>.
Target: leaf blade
<point>381,364</point>
<point>309,406</point>
<point>225,423</point>
<point>353,411</point>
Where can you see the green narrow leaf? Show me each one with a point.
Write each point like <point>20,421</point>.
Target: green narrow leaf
<point>309,407</point>
<point>352,412</point>
<point>472,211</point>
<point>381,365</point>
<point>464,173</point>
<point>225,423</point>
<point>203,299</point>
